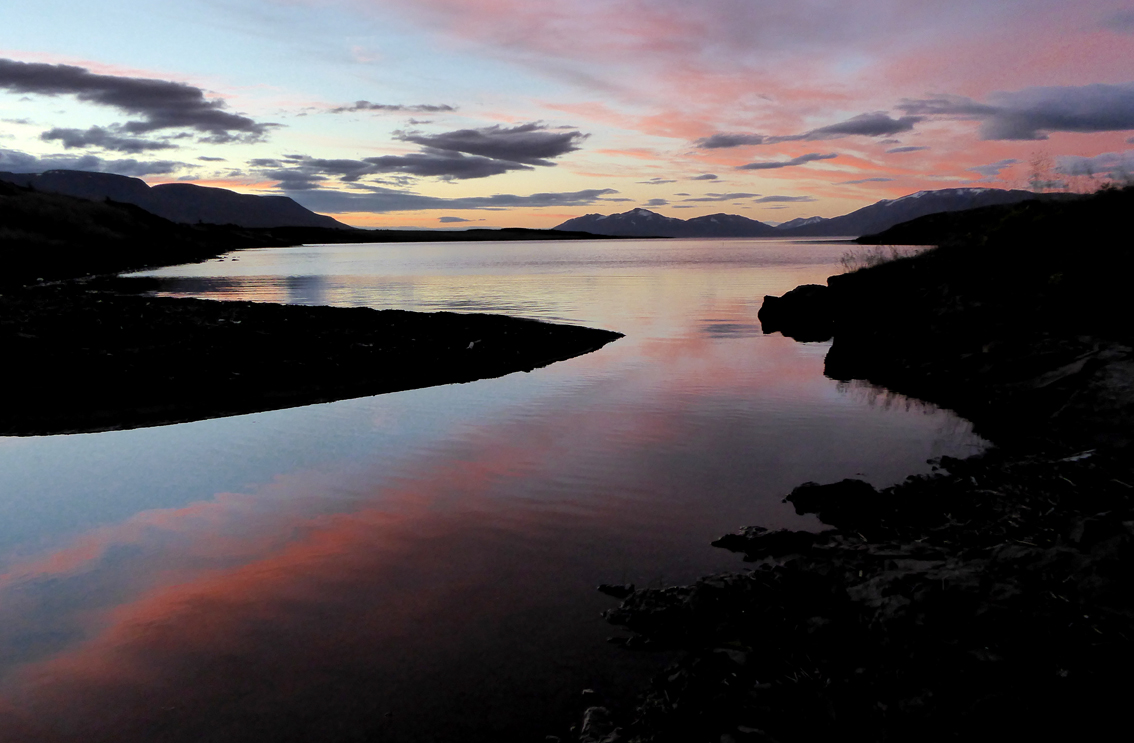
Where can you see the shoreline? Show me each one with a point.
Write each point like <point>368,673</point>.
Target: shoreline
<point>989,600</point>
<point>92,359</point>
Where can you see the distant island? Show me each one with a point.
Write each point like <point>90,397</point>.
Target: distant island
<point>869,219</point>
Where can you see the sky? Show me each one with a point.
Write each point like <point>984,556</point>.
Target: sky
<point>494,113</point>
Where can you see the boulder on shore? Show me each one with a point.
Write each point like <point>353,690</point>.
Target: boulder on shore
<point>804,313</point>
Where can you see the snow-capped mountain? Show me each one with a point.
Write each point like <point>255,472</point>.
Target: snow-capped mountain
<point>865,221</point>
<point>800,222</point>
<point>645,223</point>
<point>886,213</point>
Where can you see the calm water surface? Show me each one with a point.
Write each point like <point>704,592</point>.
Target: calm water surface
<point>421,566</point>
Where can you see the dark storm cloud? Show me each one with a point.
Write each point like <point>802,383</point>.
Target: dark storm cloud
<point>378,199</point>
<point>723,197</point>
<point>392,107</point>
<point>1116,165</point>
<point>946,105</point>
<point>457,155</point>
<point>532,144</point>
<point>992,170</point>
<point>446,165</point>
<point>21,162</point>
<point>801,160</point>
<point>1033,113</point>
<point>294,180</point>
<point>1121,22</point>
<point>864,125</point>
<point>297,172</point>
<point>705,177</point>
<point>900,150</point>
<point>864,180</point>
<point>778,199</point>
<point>348,171</point>
<point>724,141</point>
<point>107,139</point>
<point>162,104</point>
<point>875,124</point>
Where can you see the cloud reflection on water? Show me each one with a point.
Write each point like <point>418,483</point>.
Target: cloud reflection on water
<point>448,577</point>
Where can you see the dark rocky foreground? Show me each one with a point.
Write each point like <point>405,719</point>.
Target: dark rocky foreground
<point>78,358</point>
<point>992,600</point>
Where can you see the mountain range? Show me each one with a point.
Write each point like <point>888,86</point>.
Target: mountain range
<point>865,221</point>
<point>185,203</point>
<point>645,223</point>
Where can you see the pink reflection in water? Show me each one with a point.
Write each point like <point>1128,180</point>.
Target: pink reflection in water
<point>451,585</point>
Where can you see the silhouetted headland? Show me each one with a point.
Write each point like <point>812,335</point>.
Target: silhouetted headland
<point>990,600</point>
<point>88,353</point>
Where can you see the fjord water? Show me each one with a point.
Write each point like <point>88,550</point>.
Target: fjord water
<point>422,565</point>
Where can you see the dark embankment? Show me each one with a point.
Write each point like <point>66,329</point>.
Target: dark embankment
<point>53,236</point>
<point>1020,321</point>
<point>78,359</point>
<point>1054,217</point>
<point>990,601</point>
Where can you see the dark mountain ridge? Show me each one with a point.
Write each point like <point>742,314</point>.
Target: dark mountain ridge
<point>884,214</point>
<point>645,223</point>
<point>868,220</point>
<point>55,236</point>
<point>185,203</point>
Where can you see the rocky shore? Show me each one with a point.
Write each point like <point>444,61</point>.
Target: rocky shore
<point>89,356</point>
<point>991,600</point>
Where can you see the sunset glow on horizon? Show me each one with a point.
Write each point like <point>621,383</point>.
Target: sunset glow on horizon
<point>494,113</point>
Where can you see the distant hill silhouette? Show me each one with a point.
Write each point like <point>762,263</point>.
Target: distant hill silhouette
<point>869,219</point>
<point>186,203</point>
<point>886,213</point>
<point>53,236</point>
<point>1065,219</point>
<point>56,236</point>
<point>645,223</point>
